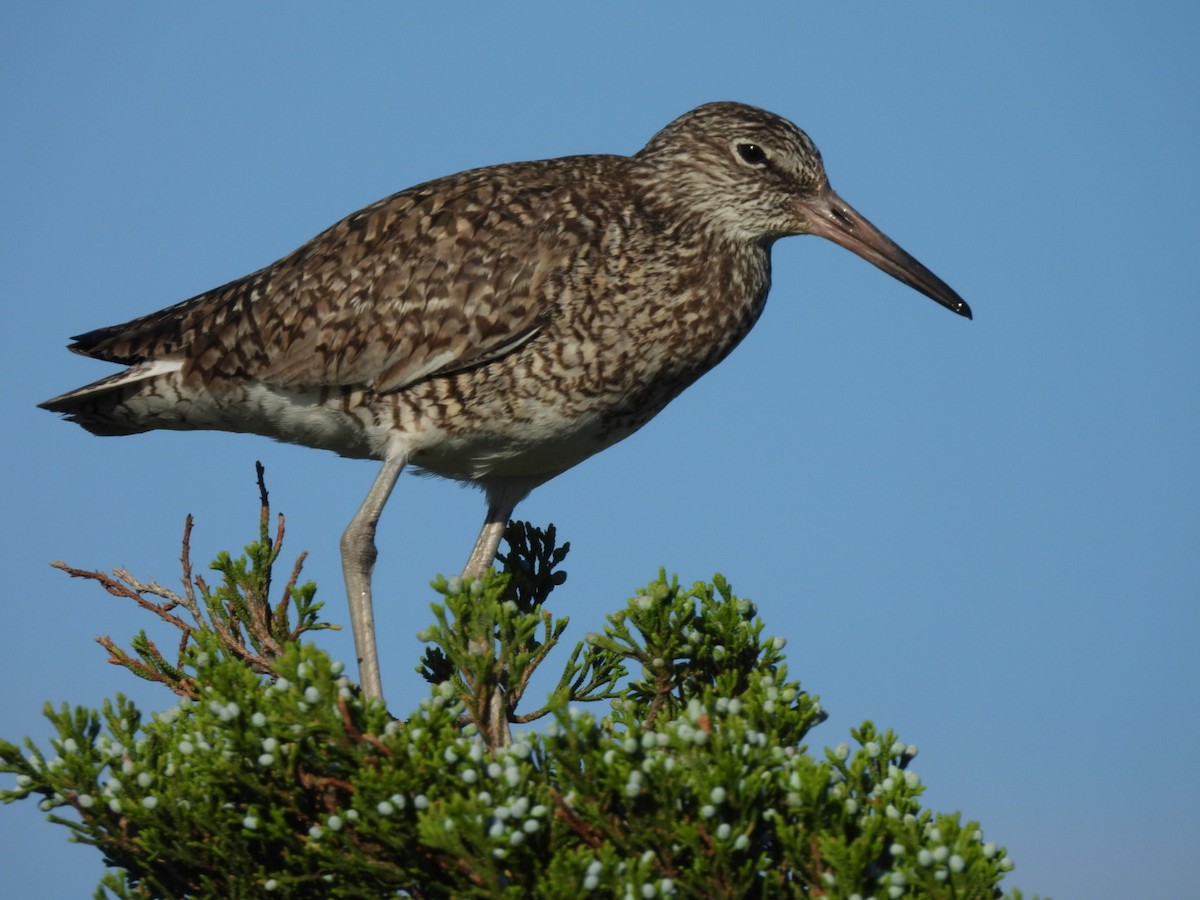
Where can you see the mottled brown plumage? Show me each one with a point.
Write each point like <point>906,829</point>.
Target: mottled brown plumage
<point>497,326</point>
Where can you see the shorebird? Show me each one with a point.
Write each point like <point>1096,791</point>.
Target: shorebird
<point>494,327</point>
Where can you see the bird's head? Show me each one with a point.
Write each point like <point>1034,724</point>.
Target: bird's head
<point>757,177</point>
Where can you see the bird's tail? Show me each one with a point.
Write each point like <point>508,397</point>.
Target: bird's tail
<point>134,400</point>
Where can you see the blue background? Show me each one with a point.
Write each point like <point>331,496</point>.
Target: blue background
<point>982,534</point>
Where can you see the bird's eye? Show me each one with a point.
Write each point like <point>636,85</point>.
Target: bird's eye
<point>752,153</point>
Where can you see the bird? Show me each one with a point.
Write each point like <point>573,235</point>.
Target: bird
<point>495,327</point>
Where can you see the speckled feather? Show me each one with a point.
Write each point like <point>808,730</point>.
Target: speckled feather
<point>503,322</point>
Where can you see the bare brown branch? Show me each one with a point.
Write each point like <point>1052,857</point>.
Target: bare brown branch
<point>122,584</point>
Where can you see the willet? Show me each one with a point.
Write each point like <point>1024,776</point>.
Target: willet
<point>495,327</point>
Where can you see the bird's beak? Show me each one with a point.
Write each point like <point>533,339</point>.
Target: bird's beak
<point>829,216</point>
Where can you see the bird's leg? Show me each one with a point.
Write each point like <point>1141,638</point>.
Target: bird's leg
<point>358,561</point>
<point>500,508</point>
<point>484,553</point>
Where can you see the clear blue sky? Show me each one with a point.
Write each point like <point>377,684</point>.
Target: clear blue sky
<point>982,534</point>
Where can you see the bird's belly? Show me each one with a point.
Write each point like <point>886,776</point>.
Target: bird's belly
<point>526,450</point>
<point>482,440</point>
<point>510,420</point>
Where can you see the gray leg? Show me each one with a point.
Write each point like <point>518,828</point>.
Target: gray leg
<point>501,503</point>
<point>484,554</point>
<point>358,561</point>
<point>500,508</point>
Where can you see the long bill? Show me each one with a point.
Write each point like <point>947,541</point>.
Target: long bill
<point>831,217</point>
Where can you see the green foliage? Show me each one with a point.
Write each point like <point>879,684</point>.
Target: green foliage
<point>669,760</point>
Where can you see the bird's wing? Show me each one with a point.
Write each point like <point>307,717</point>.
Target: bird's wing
<point>434,279</point>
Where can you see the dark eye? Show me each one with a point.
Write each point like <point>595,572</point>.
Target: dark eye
<point>752,153</point>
